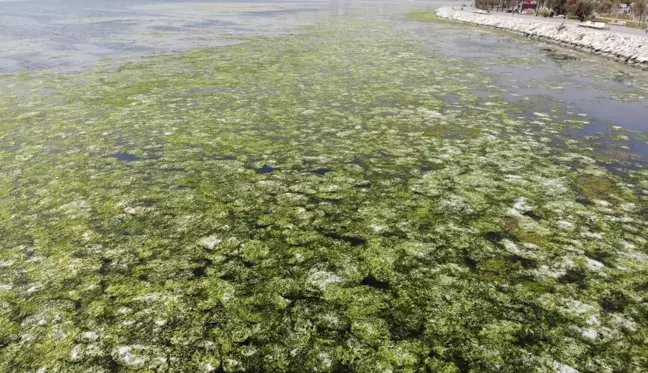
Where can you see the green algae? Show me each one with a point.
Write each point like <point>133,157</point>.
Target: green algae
<point>423,16</point>
<point>309,203</point>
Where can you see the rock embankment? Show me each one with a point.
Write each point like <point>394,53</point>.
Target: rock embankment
<point>626,48</point>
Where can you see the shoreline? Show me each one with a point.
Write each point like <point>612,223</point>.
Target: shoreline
<point>629,49</point>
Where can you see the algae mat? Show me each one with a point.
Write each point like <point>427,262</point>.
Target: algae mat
<point>310,203</point>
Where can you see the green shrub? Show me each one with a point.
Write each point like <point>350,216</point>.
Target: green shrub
<point>544,12</point>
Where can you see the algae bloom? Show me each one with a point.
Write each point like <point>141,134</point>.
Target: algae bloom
<point>352,197</point>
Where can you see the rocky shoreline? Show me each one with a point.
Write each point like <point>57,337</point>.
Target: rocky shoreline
<point>625,48</point>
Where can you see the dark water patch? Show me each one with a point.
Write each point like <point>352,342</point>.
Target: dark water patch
<point>266,13</point>
<point>265,170</point>
<point>125,157</point>
<point>607,257</point>
<point>363,185</point>
<point>525,262</point>
<point>147,202</point>
<point>113,365</point>
<point>526,337</point>
<point>644,211</point>
<point>558,55</point>
<point>584,201</point>
<point>371,281</point>
<point>120,48</point>
<point>321,171</point>
<point>353,240</point>
<point>496,237</point>
<point>173,169</point>
<point>621,168</point>
<point>607,112</point>
<point>640,147</point>
<point>470,263</point>
<point>224,158</point>
<point>615,301</point>
<point>332,201</point>
<point>451,98</point>
<point>199,272</point>
<point>301,296</point>
<point>576,276</point>
<point>532,215</point>
<point>106,263</point>
<point>166,28</point>
<point>642,287</point>
<point>482,94</point>
<point>209,23</point>
<point>623,77</point>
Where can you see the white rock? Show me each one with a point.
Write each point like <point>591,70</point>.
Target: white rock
<point>531,246</point>
<point>6,263</point>
<point>519,207</point>
<point>594,265</point>
<point>592,235</point>
<point>510,246</point>
<point>522,205</point>
<point>601,202</point>
<point>89,336</point>
<point>130,210</point>
<point>565,225</point>
<point>76,353</point>
<point>431,114</point>
<point>151,297</point>
<point>562,368</point>
<point>33,289</point>
<point>593,320</point>
<point>589,333</point>
<point>210,242</point>
<point>322,279</point>
<point>125,355</point>
<point>628,206</point>
<point>577,307</point>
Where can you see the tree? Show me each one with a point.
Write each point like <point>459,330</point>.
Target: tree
<point>558,6</point>
<point>580,8</point>
<point>639,9</point>
<point>539,4</point>
<point>607,6</point>
<point>499,5</point>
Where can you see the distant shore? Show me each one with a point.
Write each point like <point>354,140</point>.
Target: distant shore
<point>626,48</point>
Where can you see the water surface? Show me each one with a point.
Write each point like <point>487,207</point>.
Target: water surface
<point>341,189</point>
